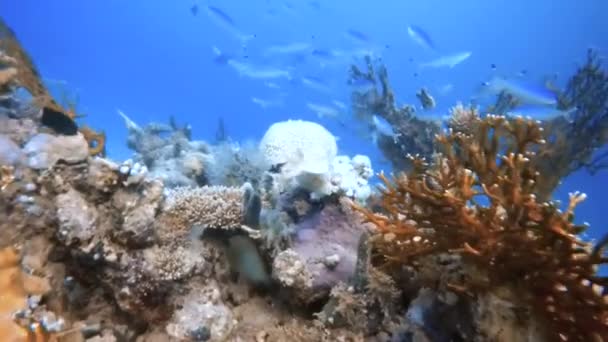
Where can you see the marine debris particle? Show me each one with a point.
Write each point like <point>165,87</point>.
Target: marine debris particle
<point>426,100</point>
<point>515,240</point>
<point>28,77</point>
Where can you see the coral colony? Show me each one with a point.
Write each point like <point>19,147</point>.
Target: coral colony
<point>286,240</point>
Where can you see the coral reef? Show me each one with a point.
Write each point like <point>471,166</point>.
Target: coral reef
<point>478,201</point>
<point>234,164</point>
<point>282,240</point>
<point>168,152</point>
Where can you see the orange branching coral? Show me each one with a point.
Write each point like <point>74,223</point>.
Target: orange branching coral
<point>478,200</point>
<point>22,71</point>
<point>15,287</point>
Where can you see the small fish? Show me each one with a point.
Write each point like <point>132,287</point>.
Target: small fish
<point>449,61</point>
<point>316,83</point>
<point>339,104</point>
<point>291,48</point>
<point>525,93</point>
<point>357,36</point>
<point>323,54</point>
<point>420,36</point>
<point>224,21</point>
<point>382,127</point>
<point>493,66</point>
<point>194,10</point>
<point>256,72</point>
<point>445,89</point>
<point>323,111</point>
<point>220,57</point>
<point>272,85</point>
<point>543,113</point>
<point>265,104</point>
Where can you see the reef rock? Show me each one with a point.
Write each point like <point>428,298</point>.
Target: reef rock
<point>45,150</point>
<point>10,153</point>
<point>323,252</point>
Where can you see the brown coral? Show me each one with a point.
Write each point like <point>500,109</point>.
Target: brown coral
<point>478,200</point>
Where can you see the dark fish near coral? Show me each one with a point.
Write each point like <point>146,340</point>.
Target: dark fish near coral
<point>58,122</point>
<point>194,10</point>
<point>276,168</point>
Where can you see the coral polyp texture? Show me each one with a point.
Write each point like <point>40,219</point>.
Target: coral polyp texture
<point>477,201</point>
<point>214,207</point>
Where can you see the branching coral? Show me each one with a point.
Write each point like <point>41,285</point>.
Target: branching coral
<point>22,72</point>
<point>574,142</point>
<point>413,134</point>
<point>478,200</point>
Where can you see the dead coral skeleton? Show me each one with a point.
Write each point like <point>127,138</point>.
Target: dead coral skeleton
<point>478,200</point>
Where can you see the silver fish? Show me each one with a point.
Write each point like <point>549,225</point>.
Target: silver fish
<point>323,111</point>
<point>449,61</point>
<point>526,93</point>
<point>420,36</point>
<point>225,22</point>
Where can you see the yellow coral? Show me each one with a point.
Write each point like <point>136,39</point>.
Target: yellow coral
<point>15,287</point>
<point>478,200</point>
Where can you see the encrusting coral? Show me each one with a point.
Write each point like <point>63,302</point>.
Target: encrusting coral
<point>477,200</point>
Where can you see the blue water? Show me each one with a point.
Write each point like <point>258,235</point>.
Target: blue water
<point>153,59</point>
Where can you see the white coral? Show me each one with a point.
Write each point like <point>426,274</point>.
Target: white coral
<point>303,146</point>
